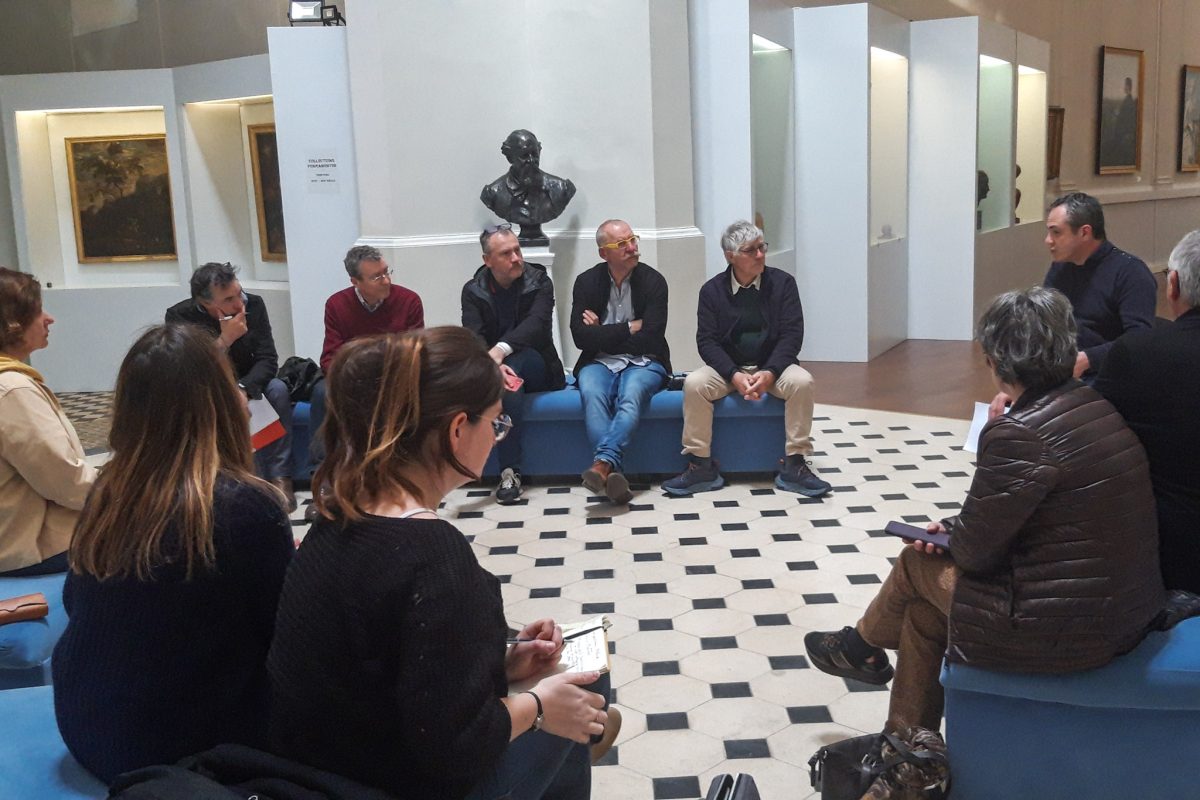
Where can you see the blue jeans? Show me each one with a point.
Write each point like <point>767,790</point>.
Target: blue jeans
<point>275,460</point>
<point>527,363</point>
<point>614,402</point>
<point>316,418</point>
<point>541,766</point>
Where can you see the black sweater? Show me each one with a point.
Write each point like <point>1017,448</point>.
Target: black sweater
<point>648,290</point>
<point>388,660</point>
<point>1110,293</point>
<point>150,671</point>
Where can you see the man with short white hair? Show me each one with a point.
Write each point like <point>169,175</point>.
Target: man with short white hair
<point>1153,378</point>
<point>749,330</point>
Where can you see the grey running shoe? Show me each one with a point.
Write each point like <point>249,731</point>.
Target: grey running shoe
<point>701,475</point>
<point>509,490</point>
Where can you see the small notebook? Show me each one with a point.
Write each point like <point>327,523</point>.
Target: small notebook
<point>585,649</point>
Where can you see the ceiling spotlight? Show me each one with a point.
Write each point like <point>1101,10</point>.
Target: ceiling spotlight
<point>314,11</point>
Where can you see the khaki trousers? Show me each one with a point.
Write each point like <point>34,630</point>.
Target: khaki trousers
<point>910,615</point>
<point>705,386</point>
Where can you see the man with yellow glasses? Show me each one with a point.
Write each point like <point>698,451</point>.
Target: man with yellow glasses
<point>619,323</point>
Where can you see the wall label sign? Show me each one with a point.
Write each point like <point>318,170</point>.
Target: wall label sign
<point>321,173</point>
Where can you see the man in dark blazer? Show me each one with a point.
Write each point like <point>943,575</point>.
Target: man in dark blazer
<point>1152,376</point>
<point>510,305</point>
<point>239,323</point>
<point>749,330</point>
<point>619,323</point>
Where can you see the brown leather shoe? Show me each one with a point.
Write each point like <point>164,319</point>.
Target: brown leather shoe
<point>285,485</point>
<point>611,729</point>
<point>616,489</point>
<point>595,477</point>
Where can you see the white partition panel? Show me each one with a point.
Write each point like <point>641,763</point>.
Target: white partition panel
<point>311,87</point>
<point>943,102</point>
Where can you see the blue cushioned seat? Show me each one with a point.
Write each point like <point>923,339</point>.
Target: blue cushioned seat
<point>1125,730</point>
<point>747,436</point>
<point>34,762</point>
<point>25,647</point>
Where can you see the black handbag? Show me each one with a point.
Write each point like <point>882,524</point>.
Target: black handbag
<point>732,787</point>
<point>848,769</point>
<point>300,375</point>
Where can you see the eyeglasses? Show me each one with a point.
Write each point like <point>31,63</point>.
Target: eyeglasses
<point>753,249</point>
<point>621,245</point>
<point>387,273</point>
<point>493,229</point>
<point>501,425</point>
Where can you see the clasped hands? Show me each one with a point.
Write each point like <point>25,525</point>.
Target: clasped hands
<point>569,710</point>
<point>753,386</point>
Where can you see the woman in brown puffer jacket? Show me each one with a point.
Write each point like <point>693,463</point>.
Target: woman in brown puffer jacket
<point>1053,562</point>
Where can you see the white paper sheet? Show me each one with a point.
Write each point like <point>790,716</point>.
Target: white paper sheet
<point>971,445</point>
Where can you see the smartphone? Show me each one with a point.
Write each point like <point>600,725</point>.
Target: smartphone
<point>904,531</point>
<point>514,382</point>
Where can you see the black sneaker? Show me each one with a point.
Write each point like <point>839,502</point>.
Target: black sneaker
<point>509,490</point>
<point>795,476</point>
<point>829,652</point>
<point>701,475</point>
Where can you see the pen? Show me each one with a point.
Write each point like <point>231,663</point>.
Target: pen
<point>565,638</point>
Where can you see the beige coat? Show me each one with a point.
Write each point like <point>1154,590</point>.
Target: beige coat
<point>43,477</point>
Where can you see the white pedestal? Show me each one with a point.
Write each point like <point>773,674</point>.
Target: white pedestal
<point>543,256</point>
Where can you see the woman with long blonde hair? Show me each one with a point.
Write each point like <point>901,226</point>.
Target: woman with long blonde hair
<point>176,568</point>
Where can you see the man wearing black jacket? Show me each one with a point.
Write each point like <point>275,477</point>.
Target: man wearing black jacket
<point>619,323</point>
<point>239,323</point>
<point>1152,376</point>
<point>510,304</point>
<point>750,326</point>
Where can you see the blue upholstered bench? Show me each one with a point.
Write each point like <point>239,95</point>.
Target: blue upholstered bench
<point>1126,730</point>
<point>747,436</point>
<point>34,762</point>
<point>25,647</point>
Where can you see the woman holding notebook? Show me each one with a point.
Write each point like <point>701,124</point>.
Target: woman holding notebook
<point>389,663</point>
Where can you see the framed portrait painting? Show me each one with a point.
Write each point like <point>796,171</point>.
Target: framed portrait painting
<point>268,199</point>
<point>1189,120</point>
<point>121,198</point>
<point>1119,126</point>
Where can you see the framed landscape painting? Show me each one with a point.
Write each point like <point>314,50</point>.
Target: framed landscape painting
<point>1119,126</point>
<point>121,198</point>
<point>1189,120</point>
<point>268,199</point>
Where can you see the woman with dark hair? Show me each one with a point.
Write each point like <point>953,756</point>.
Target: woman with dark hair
<point>1053,560</point>
<point>389,663</point>
<point>176,567</point>
<point>43,476</point>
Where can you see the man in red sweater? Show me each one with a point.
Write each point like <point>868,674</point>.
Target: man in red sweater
<point>370,304</point>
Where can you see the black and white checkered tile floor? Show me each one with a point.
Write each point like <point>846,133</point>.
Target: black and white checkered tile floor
<point>710,597</point>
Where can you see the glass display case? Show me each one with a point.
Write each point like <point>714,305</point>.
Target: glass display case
<point>889,146</point>
<point>994,188</point>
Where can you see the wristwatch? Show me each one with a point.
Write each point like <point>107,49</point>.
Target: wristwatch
<point>540,719</point>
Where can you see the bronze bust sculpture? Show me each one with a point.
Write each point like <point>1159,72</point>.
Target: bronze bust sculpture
<point>525,195</point>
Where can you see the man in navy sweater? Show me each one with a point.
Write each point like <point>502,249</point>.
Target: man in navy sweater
<point>1111,291</point>
<point>750,326</point>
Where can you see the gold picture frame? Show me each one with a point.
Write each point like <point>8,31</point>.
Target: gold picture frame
<point>268,198</point>
<point>1119,111</point>
<point>121,198</point>
<point>1189,119</point>
<point>1055,118</point>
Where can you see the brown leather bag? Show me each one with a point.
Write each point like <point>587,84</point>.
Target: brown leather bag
<point>23,608</point>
